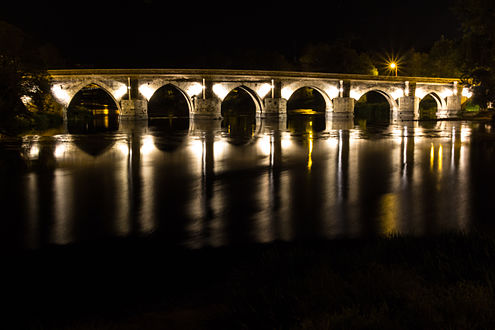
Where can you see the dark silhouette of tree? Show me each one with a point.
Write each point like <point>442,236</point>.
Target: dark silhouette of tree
<point>23,76</point>
<point>335,58</point>
<point>478,48</point>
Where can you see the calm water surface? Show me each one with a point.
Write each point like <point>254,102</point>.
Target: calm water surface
<point>200,183</point>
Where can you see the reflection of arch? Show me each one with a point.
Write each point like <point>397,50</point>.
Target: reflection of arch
<point>327,103</point>
<point>99,85</point>
<point>390,99</point>
<point>258,104</point>
<point>155,100</point>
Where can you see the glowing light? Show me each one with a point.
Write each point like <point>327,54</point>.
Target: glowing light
<point>264,89</point>
<point>197,148</point>
<point>332,92</point>
<point>60,94</point>
<point>393,66</point>
<point>121,91</point>
<point>432,156</point>
<point>34,152</point>
<point>440,158</point>
<point>194,89</point>
<point>355,94</point>
<point>220,91</point>
<point>446,92</point>
<point>466,92</point>
<point>286,92</point>
<point>123,148</point>
<point>286,141</point>
<point>146,91</point>
<point>219,149</point>
<point>310,152</point>
<point>397,93</point>
<point>264,145</point>
<point>421,93</point>
<point>60,150</point>
<point>26,99</point>
<point>148,145</point>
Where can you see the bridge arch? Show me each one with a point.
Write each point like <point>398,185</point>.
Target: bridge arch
<point>101,85</point>
<point>388,95</point>
<point>441,104</point>
<point>321,88</point>
<point>160,101</point>
<point>256,99</point>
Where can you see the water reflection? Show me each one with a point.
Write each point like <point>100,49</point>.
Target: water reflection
<point>188,183</point>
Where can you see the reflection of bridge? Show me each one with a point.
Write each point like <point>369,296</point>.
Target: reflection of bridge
<point>204,90</point>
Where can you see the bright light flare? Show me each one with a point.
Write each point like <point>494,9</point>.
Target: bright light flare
<point>146,91</point>
<point>220,91</point>
<point>60,94</point>
<point>264,145</point>
<point>332,92</point>
<point>148,145</point>
<point>219,149</point>
<point>194,89</point>
<point>399,92</point>
<point>264,89</point>
<point>60,150</point>
<point>121,91</point>
<point>286,92</point>
<point>466,92</point>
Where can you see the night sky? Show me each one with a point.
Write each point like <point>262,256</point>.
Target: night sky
<point>154,33</point>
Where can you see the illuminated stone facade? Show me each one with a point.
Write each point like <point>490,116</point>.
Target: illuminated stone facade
<point>204,90</point>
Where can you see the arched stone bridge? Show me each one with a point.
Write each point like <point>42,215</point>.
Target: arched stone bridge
<point>204,90</point>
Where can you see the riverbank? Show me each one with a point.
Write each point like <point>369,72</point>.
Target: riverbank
<point>30,121</point>
<point>386,283</point>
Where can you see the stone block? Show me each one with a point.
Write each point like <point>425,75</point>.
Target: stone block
<point>207,108</point>
<point>134,109</point>
<point>274,107</point>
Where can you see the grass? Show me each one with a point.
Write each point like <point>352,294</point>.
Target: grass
<point>395,282</point>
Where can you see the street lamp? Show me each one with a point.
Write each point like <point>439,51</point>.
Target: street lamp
<point>393,67</point>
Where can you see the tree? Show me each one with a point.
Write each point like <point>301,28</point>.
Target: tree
<point>23,78</point>
<point>477,19</point>
<point>335,58</point>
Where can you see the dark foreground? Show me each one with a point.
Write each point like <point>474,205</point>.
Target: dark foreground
<point>442,282</point>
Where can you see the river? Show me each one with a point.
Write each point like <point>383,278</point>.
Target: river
<point>199,183</point>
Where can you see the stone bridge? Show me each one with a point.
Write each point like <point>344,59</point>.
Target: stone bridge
<point>204,90</point>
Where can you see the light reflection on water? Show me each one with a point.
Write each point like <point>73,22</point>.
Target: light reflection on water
<point>195,187</point>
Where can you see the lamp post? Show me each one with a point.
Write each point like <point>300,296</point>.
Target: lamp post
<point>393,67</point>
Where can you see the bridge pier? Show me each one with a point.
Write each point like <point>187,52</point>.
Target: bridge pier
<point>134,109</point>
<point>343,108</point>
<point>208,105</point>
<point>274,107</point>
<point>407,108</point>
<point>452,109</point>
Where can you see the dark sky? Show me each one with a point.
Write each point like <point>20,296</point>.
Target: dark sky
<point>151,32</point>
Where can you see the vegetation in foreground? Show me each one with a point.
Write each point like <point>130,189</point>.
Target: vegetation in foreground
<point>444,282</point>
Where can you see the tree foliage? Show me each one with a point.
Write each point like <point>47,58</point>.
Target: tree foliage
<point>477,48</point>
<point>335,58</point>
<point>23,77</point>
